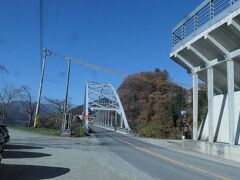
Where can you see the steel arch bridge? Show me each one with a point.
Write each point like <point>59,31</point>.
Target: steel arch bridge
<point>102,104</point>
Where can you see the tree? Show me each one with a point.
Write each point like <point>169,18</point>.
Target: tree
<point>7,96</point>
<point>153,104</point>
<point>57,103</point>
<point>28,102</point>
<point>55,120</point>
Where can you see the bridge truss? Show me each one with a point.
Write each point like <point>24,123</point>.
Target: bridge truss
<point>102,104</point>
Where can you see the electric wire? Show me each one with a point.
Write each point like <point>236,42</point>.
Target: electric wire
<point>56,19</point>
<point>41,30</point>
<point>123,74</point>
<point>43,15</point>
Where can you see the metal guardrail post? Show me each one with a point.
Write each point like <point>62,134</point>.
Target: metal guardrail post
<point>212,13</point>
<point>195,22</point>
<point>212,9</point>
<point>173,39</point>
<point>183,31</point>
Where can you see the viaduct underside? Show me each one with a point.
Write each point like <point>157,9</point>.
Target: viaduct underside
<point>207,45</point>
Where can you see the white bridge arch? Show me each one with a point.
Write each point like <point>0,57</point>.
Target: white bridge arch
<point>102,103</point>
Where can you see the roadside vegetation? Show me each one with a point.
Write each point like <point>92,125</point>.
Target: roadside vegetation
<point>78,131</point>
<point>42,131</point>
<point>153,104</point>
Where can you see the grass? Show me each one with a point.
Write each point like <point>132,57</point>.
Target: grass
<point>43,131</point>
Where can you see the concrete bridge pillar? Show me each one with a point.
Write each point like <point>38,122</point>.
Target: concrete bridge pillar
<point>231,108</point>
<point>210,84</point>
<point>195,106</point>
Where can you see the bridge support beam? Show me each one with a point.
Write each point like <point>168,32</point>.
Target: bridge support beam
<point>111,116</point>
<point>102,120</point>
<point>116,117</point>
<point>105,117</point>
<point>231,108</point>
<point>121,121</point>
<point>210,83</point>
<point>103,114</point>
<point>108,118</point>
<point>195,106</point>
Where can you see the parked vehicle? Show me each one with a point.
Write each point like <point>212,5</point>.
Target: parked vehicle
<point>4,132</point>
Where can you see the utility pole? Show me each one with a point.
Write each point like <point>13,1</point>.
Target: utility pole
<point>65,122</point>
<point>45,52</point>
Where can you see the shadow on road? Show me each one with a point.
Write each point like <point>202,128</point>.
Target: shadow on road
<point>22,154</point>
<point>26,172</point>
<point>92,130</point>
<point>106,131</point>
<point>15,146</point>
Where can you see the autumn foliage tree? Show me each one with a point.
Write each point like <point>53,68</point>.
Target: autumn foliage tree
<point>153,104</point>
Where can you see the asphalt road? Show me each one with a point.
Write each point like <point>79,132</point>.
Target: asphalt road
<point>109,155</point>
<point>164,163</point>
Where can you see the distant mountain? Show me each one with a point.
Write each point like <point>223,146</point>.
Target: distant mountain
<point>18,115</point>
<point>76,110</point>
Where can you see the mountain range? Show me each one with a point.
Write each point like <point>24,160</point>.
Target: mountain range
<point>18,115</point>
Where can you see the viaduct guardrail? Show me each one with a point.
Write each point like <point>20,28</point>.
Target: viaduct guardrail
<point>208,13</point>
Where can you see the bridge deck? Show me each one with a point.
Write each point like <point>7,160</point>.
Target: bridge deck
<point>211,42</point>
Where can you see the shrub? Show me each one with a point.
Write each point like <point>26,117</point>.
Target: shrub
<point>78,131</point>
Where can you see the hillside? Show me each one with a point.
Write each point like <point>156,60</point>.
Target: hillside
<point>153,106</point>
<point>18,115</point>
<point>76,110</point>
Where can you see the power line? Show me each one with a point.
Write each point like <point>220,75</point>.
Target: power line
<point>56,19</point>
<point>119,73</point>
<point>45,20</point>
<point>96,67</point>
<point>41,30</point>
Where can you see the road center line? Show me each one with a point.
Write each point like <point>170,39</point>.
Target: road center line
<point>180,164</point>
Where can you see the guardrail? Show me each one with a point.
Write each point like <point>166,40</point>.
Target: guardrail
<point>205,14</point>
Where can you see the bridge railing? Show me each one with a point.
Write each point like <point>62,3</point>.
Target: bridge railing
<point>208,13</point>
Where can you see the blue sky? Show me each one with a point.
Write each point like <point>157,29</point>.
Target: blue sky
<point>126,35</point>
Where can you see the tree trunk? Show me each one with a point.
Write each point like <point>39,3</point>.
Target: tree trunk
<point>29,120</point>
<point>3,118</point>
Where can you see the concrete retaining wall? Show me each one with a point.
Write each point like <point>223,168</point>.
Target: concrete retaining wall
<point>221,120</point>
<point>216,149</point>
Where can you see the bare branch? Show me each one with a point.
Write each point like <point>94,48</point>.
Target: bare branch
<point>27,102</point>
<point>7,96</point>
<point>58,104</point>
